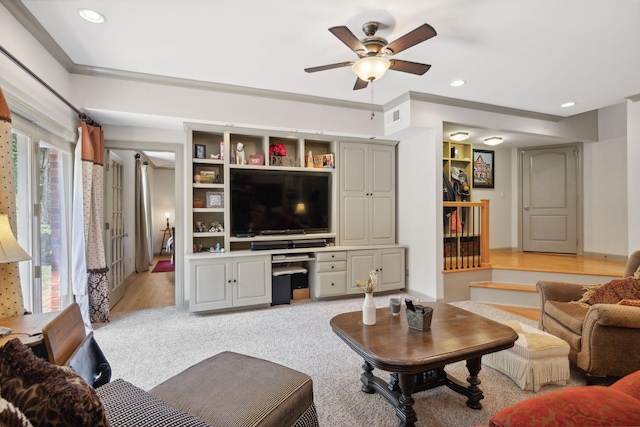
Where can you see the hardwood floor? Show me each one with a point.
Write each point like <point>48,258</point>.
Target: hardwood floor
<point>152,290</point>
<point>148,290</point>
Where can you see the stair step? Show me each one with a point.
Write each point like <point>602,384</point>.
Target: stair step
<point>504,286</point>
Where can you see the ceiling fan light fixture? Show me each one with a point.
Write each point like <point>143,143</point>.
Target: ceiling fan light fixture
<point>459,136</point>
<point>493,140</point>
<point>371,68</point>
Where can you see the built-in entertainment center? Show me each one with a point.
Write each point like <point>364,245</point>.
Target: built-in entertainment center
<point>261,200</point>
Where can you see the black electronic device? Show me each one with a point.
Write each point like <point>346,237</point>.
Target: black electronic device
<point>272,244</point>
<point>309,243</point>
<point>245,234</point>
<point>273,202</point>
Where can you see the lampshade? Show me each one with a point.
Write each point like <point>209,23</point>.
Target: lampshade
<point>10,250</point>
<point>459,136</point>
<point>493,140</point>
<point>301,209</point>
<point>371,68</point>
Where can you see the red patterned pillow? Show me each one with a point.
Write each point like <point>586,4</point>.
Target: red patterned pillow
<point>631,302</point>
<point>570,407</point>
<point>615,291</point>
<point>47,394</point>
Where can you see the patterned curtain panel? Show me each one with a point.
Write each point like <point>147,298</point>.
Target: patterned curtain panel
<point>90,280</point>
<point>11,302</point>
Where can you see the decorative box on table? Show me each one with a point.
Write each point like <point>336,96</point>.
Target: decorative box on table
<point>420,319</point>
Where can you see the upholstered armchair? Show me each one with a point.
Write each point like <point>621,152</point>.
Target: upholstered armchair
<point>604,339</point>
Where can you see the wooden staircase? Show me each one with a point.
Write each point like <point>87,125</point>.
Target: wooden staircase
<point>513,276</point>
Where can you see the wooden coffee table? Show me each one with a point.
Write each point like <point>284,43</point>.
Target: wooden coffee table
<point>416,359</point>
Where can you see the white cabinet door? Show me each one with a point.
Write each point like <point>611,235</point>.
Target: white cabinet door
<point>209,284</point>
<point>354,203</point>
<point>367,194</point>
<point>391,274</point>
<point>251,281</point>
<point>382,211</point>
<point>359,265</point>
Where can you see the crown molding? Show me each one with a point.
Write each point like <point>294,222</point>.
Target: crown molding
<point>472,105</point>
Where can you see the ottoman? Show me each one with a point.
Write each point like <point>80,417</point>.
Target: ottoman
<point>537,358</point>
<point>232,389</point>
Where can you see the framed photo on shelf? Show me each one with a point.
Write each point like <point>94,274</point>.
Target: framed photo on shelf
<point>207,174</point>
<point>256,159</point>
<point>201,151</point>
<point>484,165</point>
<point>215,199</point>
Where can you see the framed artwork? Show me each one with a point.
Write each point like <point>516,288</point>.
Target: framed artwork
<point>201,151</point>
<point>215,199</point>
<point>484,168</point>
<point>256,159</point>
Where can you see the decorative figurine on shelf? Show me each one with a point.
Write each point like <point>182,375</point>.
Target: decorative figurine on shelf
<point>309,159</point>
<point>240,158</point>
<point>197,179</point>
<point>200,227</point>
<point>216,227</point>
<point>215,156</point>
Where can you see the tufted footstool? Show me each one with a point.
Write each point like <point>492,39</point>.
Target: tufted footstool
<point>537,358</point>
<point>232,389</point>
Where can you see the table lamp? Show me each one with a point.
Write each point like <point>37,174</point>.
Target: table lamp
<point>167,215</point>
<point>10,251</point>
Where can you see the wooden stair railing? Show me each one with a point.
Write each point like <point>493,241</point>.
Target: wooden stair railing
<point>466,235</point>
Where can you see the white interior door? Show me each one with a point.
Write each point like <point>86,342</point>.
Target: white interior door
<point>550,200</point>
<point>114,234</point>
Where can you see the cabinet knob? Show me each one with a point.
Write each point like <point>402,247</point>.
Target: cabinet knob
<point>234,280</point>
<point>333,266</point>
<point>332,284</point>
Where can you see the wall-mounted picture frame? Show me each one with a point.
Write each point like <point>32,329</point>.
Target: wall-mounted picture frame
<point>256,159</point>
<point>215,199</point>
<point>201,151</point>
<point>484,168</point>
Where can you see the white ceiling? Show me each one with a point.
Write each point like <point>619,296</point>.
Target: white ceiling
<point>527,54</point>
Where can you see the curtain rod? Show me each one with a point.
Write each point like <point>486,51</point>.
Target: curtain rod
<point>82,116</point>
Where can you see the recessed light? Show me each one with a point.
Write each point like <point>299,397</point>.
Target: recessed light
<point>493,140</point>
<point>459,136</point>
<point>568,104</point>
<point>92,16</point>
<point>457,83</point>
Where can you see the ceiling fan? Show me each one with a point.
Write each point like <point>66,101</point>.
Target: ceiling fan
<point>375,53</point>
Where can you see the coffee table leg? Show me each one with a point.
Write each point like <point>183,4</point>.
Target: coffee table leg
<point>405,411</point>
<point>474,392</point>
<point>366,378</point>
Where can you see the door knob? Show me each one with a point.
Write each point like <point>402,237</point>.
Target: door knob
<point>526,208</point>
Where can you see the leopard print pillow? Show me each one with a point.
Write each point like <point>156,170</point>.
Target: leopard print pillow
<point>46,393</point>
<point>10,416</point>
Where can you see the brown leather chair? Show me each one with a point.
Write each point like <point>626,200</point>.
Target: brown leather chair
<point>68,344</point>
<point>604,339</point>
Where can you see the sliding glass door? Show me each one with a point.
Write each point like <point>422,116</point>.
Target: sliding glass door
<point>43,165</point>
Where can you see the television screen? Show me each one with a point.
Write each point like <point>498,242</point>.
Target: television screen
<point>279,202</point>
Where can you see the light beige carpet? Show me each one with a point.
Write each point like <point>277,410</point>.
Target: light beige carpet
<point>146,347</point>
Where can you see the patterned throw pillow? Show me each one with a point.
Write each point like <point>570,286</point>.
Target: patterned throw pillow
<point>615,291</point>
<point>47,394</point>
<point>631,302</point>
<point>10,416</point>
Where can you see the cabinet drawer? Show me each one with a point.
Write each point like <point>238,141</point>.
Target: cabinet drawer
<point>333,283</point>
<point>331,256</point>
<point>331,266</point>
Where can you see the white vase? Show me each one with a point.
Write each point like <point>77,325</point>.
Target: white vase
<point>369,310</point>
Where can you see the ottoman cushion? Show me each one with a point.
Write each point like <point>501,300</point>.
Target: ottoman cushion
<point>537,358</point>
<point>232,389</point>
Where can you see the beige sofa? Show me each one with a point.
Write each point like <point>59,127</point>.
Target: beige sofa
<point>603,338</point>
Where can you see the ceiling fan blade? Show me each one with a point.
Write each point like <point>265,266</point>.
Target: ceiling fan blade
<point>347,37</point>
<point>409,67</point>
<point>329,67</point>
<point>420,34</point>
<point>360,84</point>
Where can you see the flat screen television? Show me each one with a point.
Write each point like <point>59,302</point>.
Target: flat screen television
<point>279,202</point>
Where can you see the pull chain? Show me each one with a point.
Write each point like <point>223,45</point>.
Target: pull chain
<point>372,113</point>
